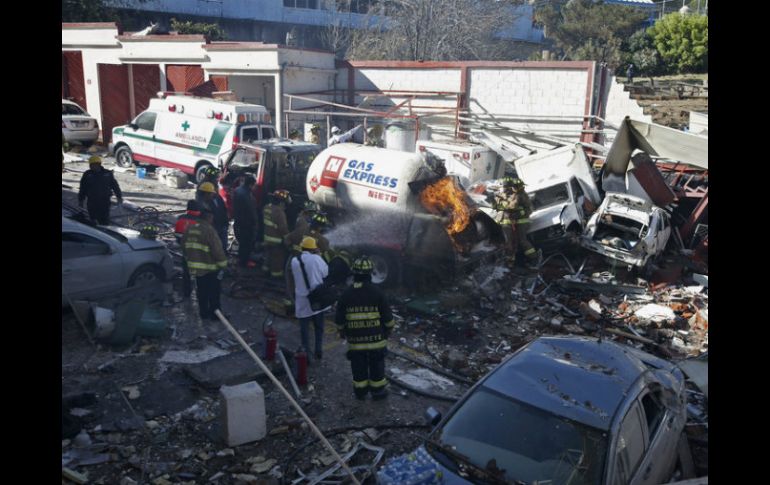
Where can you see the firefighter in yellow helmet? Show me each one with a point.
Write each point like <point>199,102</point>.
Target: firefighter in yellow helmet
<point>365,320</point>
<point>276,230</point>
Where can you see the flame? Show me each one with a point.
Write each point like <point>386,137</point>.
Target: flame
<point>445,198</point>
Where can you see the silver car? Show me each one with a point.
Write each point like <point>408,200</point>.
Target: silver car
<point>77,125</point>
<point>97,261</point>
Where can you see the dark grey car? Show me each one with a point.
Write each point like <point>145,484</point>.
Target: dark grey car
<point>567,410</point>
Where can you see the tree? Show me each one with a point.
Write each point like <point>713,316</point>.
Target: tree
<point>85,11</point>
<point>589,30</point>
<point>431,30</point>
<point>682,41</point>
<point>643,55</point>
<point>211,31</point>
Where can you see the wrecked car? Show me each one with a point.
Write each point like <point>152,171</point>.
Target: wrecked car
<point>567,410</point>
<point>99,260</point>
<point>628,229</point>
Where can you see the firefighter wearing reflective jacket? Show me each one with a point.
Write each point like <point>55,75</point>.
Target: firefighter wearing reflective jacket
<point>516,207</point>
<point>206,260</point>
<point>364,319</point>
<point>276,230</point>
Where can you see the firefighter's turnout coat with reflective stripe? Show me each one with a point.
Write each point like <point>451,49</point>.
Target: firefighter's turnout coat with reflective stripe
<point>364,316</point>
<point>202,249</point>
<point>276,227</point>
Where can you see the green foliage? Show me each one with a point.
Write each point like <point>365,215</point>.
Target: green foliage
<point>588,30</point>
<point>682,42</point>
<point>211,31</point>
<point>85,11</point>
<point>642,54</point>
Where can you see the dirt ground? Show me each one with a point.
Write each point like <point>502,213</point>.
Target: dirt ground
<point>152,421</point>
<point>674,113</point>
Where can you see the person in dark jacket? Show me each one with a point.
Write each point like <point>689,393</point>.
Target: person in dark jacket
<point>207,197</point>
<point>97,185</point>
<point>364,319</point>
<point>246,218</point>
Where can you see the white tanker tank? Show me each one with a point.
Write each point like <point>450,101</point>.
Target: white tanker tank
<point>354,177</point>
<point>373,195</point>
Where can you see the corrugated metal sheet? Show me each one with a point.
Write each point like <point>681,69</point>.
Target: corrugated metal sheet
<point>146,85</point>
<point>73,82</point>
<point>113,93</point>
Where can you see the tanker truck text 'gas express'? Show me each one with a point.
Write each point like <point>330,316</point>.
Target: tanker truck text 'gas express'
<point>354,170</point>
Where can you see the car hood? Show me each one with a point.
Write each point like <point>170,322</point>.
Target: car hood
<point>626,211</point>
<point>546,217</point>
<point>137,243</point>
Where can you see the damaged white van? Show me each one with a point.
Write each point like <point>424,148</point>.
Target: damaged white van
<point>628,229</point>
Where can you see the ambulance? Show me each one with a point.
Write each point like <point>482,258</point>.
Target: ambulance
<point>188,133</point>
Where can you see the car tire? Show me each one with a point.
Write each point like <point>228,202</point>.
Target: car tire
<point>124,157</point>
<point>387,268</point>
<point>199,176</point>
<point>146,274</point>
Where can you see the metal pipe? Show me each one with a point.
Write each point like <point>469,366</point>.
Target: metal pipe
<point>283,390</point>
<point>285,364</point>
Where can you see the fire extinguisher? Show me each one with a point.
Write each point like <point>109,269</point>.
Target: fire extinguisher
<point>271,338</point>
<point>301,358</point>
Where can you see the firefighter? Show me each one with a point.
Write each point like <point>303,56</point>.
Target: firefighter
<point>276,230</point>
<point>294,238</point>
<point>522,211</point>
<point>206,259</point>
<point>207,196</point>
<point>189,218</point>
<point>364,319</point>
<point>315,134</point>
<point>318,223</point>
<point>246,218</point>
<point>335,138</point>
<point>504,205</point>
<point>97,185</point>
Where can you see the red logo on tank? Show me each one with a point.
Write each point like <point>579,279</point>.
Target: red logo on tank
<point>332,171</point>
<point>314,184</point>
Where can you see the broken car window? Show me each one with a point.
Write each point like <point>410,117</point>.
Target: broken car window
<point>653,411</point>
<point>533,446</point>
<point>554,195</point>
<point>630,446</point>
<point>244,159</point>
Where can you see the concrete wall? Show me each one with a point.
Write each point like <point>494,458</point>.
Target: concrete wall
<point>620,105</point>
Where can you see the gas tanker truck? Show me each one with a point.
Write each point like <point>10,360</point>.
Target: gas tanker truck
<point>401,209</point>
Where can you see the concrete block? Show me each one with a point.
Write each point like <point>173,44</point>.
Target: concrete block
<point>243,413</point>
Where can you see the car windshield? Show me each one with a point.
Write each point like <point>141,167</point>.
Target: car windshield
<point>244,159</point>
<point>71,109</point>
<point>549,196</point>
<point>521,443</point>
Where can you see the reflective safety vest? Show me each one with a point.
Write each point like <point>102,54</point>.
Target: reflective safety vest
<point>363,314</point>
<point>276,227</point>
<point>202,249</point>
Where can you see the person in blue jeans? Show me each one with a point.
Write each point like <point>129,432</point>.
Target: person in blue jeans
<point>309,270</point>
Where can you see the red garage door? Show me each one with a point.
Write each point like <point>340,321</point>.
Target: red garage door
<point>113,94</point>
<point>73,85</point>
<point>183,78</point>
<point>146,85</point>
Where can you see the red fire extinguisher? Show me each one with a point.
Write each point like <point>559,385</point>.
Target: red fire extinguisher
<point>301,358</point>
<point>271,339</point>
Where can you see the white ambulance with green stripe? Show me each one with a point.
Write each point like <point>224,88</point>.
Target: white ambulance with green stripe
<point>188,132</point>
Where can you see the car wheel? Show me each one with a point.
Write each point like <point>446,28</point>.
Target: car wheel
<point>386,268</point>
<point>146,275</point>
<point>124,158</point>
<point>199,175</point>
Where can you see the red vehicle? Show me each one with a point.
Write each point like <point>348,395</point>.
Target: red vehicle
<point>276,164</point>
